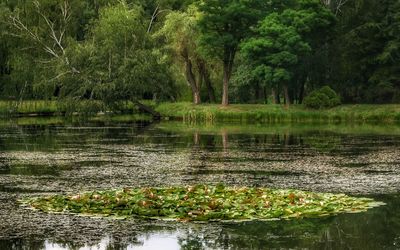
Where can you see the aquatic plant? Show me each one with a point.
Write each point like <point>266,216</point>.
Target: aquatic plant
<point>202,203</point>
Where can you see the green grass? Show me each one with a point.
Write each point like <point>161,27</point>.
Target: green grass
<point>41,107</point>
<point>252,113</point>
<point>28,107</point>
<point>279,113</point>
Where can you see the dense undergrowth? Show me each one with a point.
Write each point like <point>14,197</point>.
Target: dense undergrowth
<point>203,203</point>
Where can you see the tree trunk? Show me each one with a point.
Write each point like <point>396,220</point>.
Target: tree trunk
<point>275,97</point>
<point>147,109</point>
<point>301,94</point>
<point>287,95</point>
<point>205,75</point>
<point>258,93</point>
<point>190,77</point>
<point>196,98</point>
<point>225,86</point>
<point>265,95</point>
<point>229,58</point>
<point>210,89</point>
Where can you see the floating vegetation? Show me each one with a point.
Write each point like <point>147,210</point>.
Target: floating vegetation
<point>203,203</point>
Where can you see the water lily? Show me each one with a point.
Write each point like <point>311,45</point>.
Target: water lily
<point>203,202</point>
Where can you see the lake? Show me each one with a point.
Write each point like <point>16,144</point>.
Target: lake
<point>41,156</point>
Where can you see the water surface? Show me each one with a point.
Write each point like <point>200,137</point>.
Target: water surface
<point>48,156</point>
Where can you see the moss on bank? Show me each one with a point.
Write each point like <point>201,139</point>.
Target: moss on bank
<point>279,113</point>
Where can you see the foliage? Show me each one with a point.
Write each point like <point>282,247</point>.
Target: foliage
<point>121,50</point>
<point>224,24</point>
<point>322,98</point>
<point>365,51</point>
<point>284,40</point>
<point>204,203</point>
<point>116,64</point>
<point>182,34</point>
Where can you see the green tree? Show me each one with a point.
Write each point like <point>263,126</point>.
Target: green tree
<point>181,32</point>
<point>224,24</point>
<point>4,49</point>
<point>283,40</point>
<point>364,52</point>
<point>115,63</point>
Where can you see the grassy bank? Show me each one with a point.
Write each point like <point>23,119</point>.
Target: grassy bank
<point>49,108</point>
<point>28,107</point>
<point>251,113</point>
<point>279,113</point>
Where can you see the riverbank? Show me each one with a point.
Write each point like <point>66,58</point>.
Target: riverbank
<point>250,113</point>
<point>388,113</point>
<point>28,108</point>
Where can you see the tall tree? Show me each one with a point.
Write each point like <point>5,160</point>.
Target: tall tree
<point>365,51</point>
<point>224,24</point>
<point>181,32</point>
<point>116,64</point>
<point>282,42</point>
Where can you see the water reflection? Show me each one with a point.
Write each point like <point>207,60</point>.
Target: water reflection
<point>376,229</point>
<point>61,157</point>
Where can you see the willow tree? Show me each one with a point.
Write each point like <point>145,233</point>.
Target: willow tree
<point>181,32</point>
<point>117,62</point>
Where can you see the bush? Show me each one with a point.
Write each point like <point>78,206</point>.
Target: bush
<point>322,98</point>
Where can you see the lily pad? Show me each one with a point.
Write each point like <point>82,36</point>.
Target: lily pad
<point>202,203</point>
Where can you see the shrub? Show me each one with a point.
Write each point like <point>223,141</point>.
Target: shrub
<point>322,98</point>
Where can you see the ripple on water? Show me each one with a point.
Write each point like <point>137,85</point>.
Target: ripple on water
<point>60,159</point>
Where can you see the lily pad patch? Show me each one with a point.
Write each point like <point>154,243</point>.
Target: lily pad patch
<point>202,203</point>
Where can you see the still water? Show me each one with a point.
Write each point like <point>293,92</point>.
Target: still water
<point>48,156</point>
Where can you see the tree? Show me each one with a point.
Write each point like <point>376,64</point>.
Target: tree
<point>44,30</point>
<point>224,24</point>
<point>116,64</point>
<point>181,32</point>
<point>4,49</point>
<point>387,71</point>
<point>283,40</point>
<point>112,59</point>
<point>365,50</point>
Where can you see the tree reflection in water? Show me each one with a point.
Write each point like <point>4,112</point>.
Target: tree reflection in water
<point>376,229</point>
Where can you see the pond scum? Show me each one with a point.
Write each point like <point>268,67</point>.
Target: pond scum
<point>202,203</point>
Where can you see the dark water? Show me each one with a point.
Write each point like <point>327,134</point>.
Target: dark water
<point>47,156</point>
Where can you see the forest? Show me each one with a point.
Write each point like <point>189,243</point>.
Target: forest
<point>199,124</point>
<point>200,51</point>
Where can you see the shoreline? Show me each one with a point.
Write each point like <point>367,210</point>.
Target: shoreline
<point>249,113</point>
<point>268,113</point>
